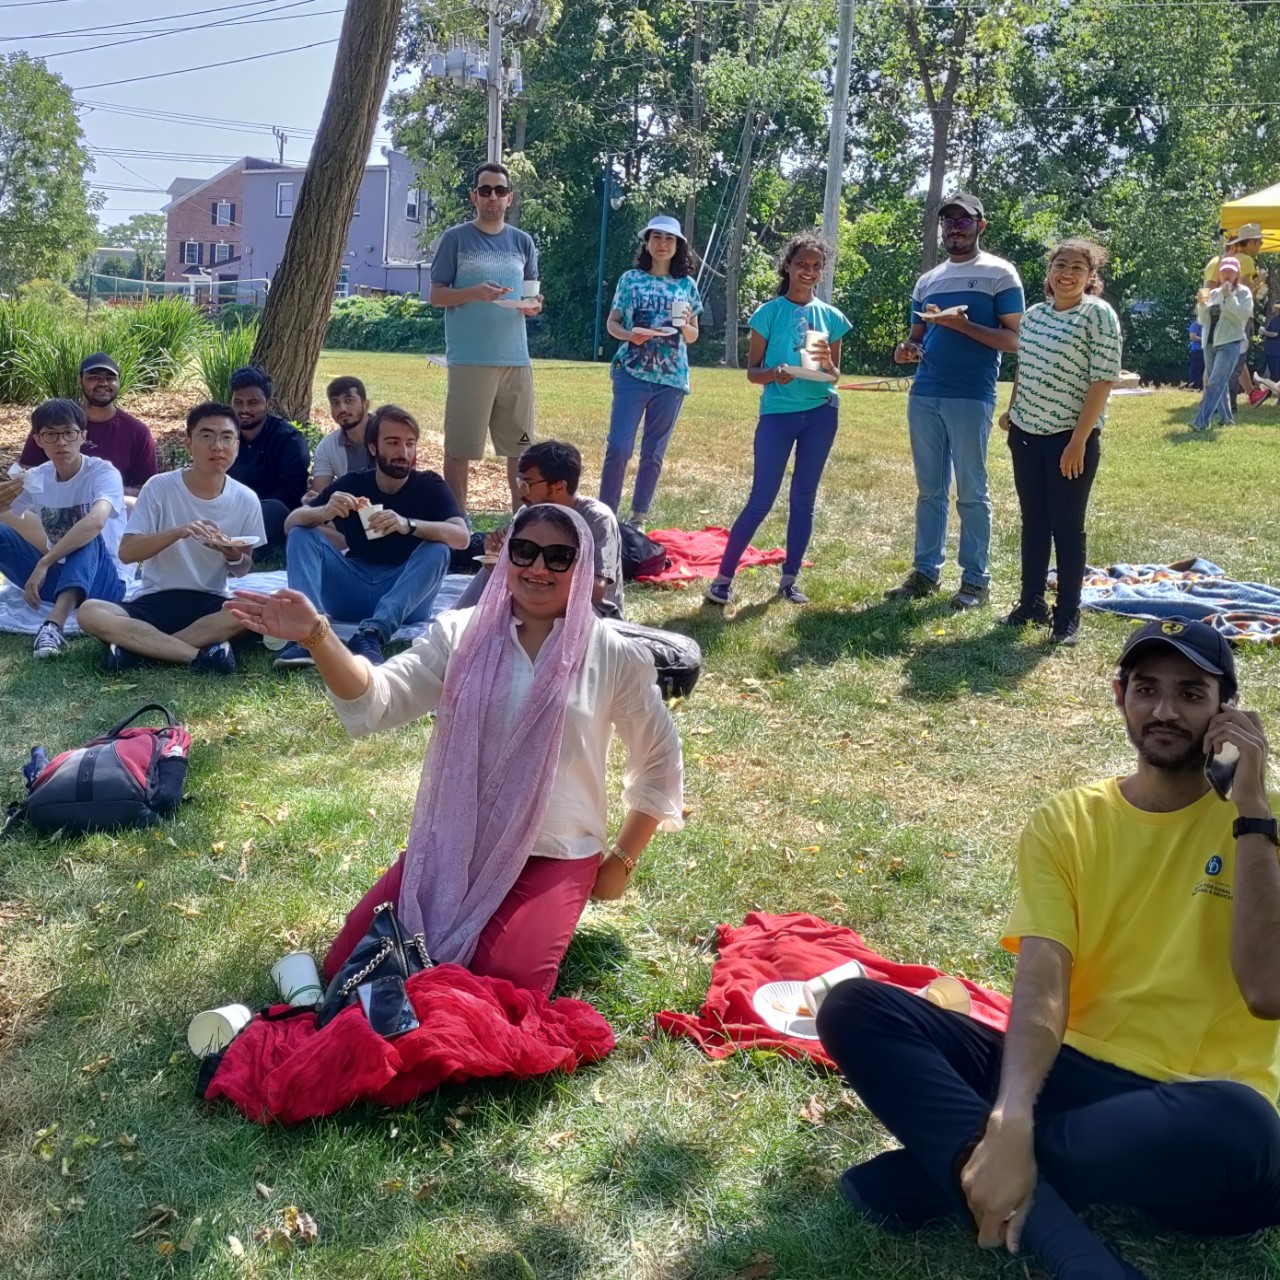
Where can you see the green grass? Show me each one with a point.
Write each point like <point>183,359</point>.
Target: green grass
<point>821,746</point>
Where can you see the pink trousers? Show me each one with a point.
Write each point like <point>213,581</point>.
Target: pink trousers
<point>526,937</point>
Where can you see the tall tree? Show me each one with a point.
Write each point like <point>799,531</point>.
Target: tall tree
<point>46,208</point>
<point>298,303</point>
<point>144,233</point>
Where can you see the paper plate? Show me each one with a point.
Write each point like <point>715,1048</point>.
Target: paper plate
<point>485,559</point>
<point>808,375</point>
<point>664,331</point>
<point>514,304</point>
<point>249,540</point>
<point>779,1004</point>
<point>946,311</point>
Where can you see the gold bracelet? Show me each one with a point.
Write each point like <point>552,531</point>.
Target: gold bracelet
<point>618,852</point>
<point>318,633</point>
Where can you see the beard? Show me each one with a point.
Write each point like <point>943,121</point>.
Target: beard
<point>1184,754</point>
<point>396,470</point>
<point>100,397</point>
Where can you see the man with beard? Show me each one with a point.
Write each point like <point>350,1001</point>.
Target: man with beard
<point>1140,1065</point>
<point>342,450</point>
<point>964,313</point>
<point>397,525</point>
<point>113,435</point>
<point>273,459</point>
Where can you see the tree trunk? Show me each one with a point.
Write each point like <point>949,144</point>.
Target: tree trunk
<point>298,302</point>
<point>522,134</point>
<point>695,126</point>
<point>738,226</point>
<point>933,194</point>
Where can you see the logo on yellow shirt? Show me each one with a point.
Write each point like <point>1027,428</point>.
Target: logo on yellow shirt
<point>1210,884</point>
<point>1213,866</point>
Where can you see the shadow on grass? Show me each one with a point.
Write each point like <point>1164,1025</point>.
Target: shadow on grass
<point>594,957</point>
<point>542,1250</point>
<point>882,630</point>
<point>649,1169</point>
<point>989,663</point>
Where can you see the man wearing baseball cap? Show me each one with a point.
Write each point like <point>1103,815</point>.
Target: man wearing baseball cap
<point>114,435</point>
<point>964,313</point>
<point>1140,1066</point>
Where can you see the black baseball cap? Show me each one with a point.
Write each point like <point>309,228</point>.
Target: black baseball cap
<point>1196,641</point>
<point>99,360</point>
<point>963,200</point>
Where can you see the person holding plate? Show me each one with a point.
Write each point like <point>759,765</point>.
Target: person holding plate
<point>655,316</point>
<point>795,356</point>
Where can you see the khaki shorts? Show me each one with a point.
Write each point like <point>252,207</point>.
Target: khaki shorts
<point>496,400</point>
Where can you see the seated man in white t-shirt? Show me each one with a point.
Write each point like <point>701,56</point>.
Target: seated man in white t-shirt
<point>60,524</point>
<point>190,529</point>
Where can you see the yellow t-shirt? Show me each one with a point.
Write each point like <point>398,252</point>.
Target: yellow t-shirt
<point>1248,269</point>
<point>1143,903</point>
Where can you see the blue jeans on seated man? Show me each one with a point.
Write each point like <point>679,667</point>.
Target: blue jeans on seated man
<point>379,598</point>
<point>90,570</point>
<point>951,435</point>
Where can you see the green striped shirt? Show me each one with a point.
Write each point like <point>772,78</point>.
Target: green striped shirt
<point>1060,353</point>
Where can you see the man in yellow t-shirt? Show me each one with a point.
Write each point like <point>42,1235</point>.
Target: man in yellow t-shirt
<point>1141,1063</point>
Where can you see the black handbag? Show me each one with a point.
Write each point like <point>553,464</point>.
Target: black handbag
<point>382,960</point>
<point>677,658</point>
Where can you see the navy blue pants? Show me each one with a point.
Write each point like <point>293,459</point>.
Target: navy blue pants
<point>1201,1156</point>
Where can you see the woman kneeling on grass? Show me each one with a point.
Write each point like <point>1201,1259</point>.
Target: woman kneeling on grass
<point>794,413</point>
<point>508,833</point>
<point>1068,361</point>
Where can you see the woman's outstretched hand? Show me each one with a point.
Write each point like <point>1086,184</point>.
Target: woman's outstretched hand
<point>287,615</point>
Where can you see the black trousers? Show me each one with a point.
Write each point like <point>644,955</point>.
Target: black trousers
<point>274,514</point>
<point>1053,510</point>
<point>1201,1156</point>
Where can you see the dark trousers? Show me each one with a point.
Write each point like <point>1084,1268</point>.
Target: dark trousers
<point>1272,353</point>
<point>1195,373</point>
<point>274,514</point>
<point>1202,1156</point>
<point>1053,509</point>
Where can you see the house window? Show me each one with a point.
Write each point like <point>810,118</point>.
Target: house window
<point>222,213</point>
<point>221,252</point>
<point>284,199</point>
<point>413,205</point>
<point>191,253</point>
<point>356,212</point>
<point>343,287</point>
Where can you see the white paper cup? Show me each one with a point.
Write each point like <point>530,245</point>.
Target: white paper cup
<point>808,358</point>
<point>817,990</point>
<point>947,993</point>
<point>680,311</point>
<point>366,514</point>
<point>214,1029</point>
<point>530,289</point>
<point>297,978</point>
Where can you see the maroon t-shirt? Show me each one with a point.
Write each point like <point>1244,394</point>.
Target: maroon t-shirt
<point>122,440</point>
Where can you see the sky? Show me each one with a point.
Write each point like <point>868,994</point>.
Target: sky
<point>136,156</point>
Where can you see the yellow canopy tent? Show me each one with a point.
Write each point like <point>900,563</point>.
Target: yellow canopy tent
<point>1262,207</point>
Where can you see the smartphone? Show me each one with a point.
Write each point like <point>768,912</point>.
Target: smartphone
<point>1220,766</point>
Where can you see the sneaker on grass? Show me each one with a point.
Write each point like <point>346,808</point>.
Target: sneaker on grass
<point>791,592</point>
<point>719,592</point>
<point>367,645</point>
<point>1066,631</point>
<point>916,586</point>
<point>970,596</point>
<point>116,659</point>
<point>217,659</point>
<point>294,655</point>
<point>1029,613</point>
<point>1258,395</point>
<point>49,641</point>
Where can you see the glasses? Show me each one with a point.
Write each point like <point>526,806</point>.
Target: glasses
<point>69,436</point>
<point>558,557</point>
<point>960,224</point>
<point>486,191</point>
<point>224,438</point>
<point>524,484</point>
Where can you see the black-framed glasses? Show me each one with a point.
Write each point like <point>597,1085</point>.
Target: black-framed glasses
<point>960,224</point>
<point>486,191</point>
<point>557,556</point>
<point>70,435</point>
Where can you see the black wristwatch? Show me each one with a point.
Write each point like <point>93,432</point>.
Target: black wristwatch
<point>1257,827</point>
<point>413,527</point>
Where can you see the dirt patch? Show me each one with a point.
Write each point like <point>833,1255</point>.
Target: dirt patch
<point>10,914</point>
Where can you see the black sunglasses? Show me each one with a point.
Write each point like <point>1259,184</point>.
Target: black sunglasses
<point>960,224</point>
<point>486,191</point>
<point>558,557</point>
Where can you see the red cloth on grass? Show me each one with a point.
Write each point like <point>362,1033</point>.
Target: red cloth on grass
<point>794,947</point>
<point>471,1028</point>
<point>697,554</point>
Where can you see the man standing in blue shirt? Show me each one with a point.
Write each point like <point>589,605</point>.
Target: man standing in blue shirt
<point>964,313</point>
<point>477,276</point>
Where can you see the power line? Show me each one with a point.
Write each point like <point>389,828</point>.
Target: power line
<point>209,66</point>
<point>110,28</point>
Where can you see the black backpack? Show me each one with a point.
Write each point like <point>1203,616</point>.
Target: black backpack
<point>641,556</point>
<point>676,658</point>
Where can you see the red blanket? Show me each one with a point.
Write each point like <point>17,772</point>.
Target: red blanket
<point>471,1028</point>
<point>794,947</point>
<point>697,554</point>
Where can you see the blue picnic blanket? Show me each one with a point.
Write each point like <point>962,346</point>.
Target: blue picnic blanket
<point>1192,588</point>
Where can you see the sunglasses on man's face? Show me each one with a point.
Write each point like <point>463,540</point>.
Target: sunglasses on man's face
<point>558,557</point>
<point>959,224</point>
<point>485,191</point>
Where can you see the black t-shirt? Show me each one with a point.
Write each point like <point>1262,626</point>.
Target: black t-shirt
<point>424,496</point>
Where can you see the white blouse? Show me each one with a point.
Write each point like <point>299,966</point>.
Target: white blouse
<point>615,689</point>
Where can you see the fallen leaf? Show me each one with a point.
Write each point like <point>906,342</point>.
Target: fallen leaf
<point>263,1190</point>
<point>523,1267</point>
<point>98,1064</point>
<point>157,1219</point>
<point>75,1204</point>
<point>128,1141</point>
<point>67,1163</point>
<point>221,847</point>
<point>184,909</point>
<point>558,1140</point>
<point>814,1111</point>
<point>426,1190</point>
<point>897,866</point>
<point>308,1232</point>
<point>948,853</point>
<point>391,1186</point>
<point>812,848</point>
<point>83,1140</point>
<point>234,1245</point>
<point>132,939</point>
<point>271,822</point>
<point>192,1234</point>
<point>165,1247</point>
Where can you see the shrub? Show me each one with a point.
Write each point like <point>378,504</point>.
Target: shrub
<point>404,323</point>
<point>49,357</point>
<point>169,333</point>
<point>49,293</point>
<point>222,354</point>
<point>233,314</point>
<point>17,323</point>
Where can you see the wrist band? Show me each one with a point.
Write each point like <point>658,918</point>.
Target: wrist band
<point>318,633</point>
<point>617,852</point>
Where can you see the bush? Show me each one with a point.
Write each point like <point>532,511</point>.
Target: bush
<point>234,314</point>
<point>222,354</point>
<point>49,293</point>
<point>404,323</point>
<point>169,333</point>
<point>49,356</point>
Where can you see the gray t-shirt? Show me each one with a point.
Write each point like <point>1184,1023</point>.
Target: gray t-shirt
<point>335,457</point>
<point>604,532</point>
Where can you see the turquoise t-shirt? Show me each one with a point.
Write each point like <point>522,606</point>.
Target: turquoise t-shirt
<point>644,301</point>
<point>783,325</point>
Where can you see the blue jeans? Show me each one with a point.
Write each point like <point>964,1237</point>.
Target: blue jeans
<point>90,570</point>
<point>951,435</point>
<point>1219,366</point>
<point>659,406</point>
<point>379,597</point>
<point>812,432</point>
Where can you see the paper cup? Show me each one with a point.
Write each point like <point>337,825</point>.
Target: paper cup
<point>214,1029</point>
<point>947,993</point>
<point>817,990</point>
<point>298,978</point>
<point>366,514</point>
<point>808,359</point>
<point>530,289</point>
<point>680,311</point>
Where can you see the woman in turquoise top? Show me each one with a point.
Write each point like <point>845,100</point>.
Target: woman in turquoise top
<point>651,370</point>
<point>794,413</point>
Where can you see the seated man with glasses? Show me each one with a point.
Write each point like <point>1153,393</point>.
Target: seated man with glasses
<point>189,530</point>
<point>478,276</point>
<point>60,524</point>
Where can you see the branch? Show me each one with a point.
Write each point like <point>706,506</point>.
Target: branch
<point>917,47</point>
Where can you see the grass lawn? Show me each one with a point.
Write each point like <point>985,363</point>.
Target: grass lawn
<point>867,762</point>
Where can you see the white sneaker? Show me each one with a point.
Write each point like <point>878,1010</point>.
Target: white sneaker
<point>49,641</point>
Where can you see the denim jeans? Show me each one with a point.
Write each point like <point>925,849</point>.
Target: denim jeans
<point>951,435</point>
<point>380,598</point>
<point>811,432</point>
<point>90,569</point>
<point>659,406</point>
<point>1219,370</point>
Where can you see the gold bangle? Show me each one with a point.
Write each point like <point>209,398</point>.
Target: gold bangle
<point>317,635</point>
<point>621,855</point>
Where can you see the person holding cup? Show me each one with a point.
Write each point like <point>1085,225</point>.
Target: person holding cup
<point>796,413</point>
<point>655,317</point>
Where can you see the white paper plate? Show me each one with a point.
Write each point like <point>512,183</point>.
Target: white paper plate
<point>664,331</point>
<point>808,375</point>
<point>779,1004</point>
<point>514,304</point>
<point>249,540</point>
<point>485,559</point>
<point>946,311</point>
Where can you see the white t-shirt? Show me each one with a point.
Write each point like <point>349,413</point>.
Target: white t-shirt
<point>164,503</point>
<point>63,503</point>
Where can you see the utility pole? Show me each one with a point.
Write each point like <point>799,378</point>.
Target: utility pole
<point>281,138</point>
<point>604,231</point>
<point>832,202</point>
<point>493,83</point>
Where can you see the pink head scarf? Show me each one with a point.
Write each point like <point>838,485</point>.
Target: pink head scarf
<point>484,792</point>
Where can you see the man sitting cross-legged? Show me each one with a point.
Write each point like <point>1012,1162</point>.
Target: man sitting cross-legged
<point>396,561</point>
<point>60,524</point>
<point>182,530</point>
<point>1140,1064</point>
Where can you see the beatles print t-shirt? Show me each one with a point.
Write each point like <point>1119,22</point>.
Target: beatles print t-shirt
<point>644,302</point>
<point>61,504</point>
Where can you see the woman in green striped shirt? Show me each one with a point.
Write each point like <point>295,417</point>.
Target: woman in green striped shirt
<point>1068,361</point>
